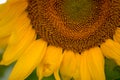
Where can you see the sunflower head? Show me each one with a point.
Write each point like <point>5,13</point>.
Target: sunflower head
<point>70,37</point>
<point>74,25</point>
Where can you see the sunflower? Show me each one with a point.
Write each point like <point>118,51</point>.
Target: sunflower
<point>67,38</point>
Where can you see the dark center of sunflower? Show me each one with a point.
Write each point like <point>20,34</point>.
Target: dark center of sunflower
<point>74,25</point>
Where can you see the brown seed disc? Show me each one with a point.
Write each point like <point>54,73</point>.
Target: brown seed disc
<point>74,25</point>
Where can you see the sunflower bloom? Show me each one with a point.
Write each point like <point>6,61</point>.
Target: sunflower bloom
<point>66,38</point>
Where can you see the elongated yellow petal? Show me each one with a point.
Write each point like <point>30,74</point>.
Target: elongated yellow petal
<point>17,45</point>
<point>11,10</point>
<point>29,60</point>
<point>68,65</point>
<point>111,50</point>
<point>50,63</point>
<point>95,61</point>
<point>76,74</point>
<point>20,29</point>
<point>10,20</point>
<point>78,70</point>
<point>116,36</point>
<point>56,75</point>
<point>3,43</point>
<point>84,70</point>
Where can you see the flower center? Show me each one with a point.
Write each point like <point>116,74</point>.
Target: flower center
<point>74,25</point>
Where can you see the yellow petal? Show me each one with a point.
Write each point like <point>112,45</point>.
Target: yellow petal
<point>17,45</point>
<point>76,74</point>
<point>4,41</point>
<point>84,70</point>
<point>78,69</point>
<point>111,50</point>
<point>50,63</point>
<point>9,19</point>
<point>11,10</point>
<point>95,61</point>
<point>29,60</point>
<point>68,65</point>
<point>56,75</point>
<point>20,29</point>
<point>116,36</point>
<point>3,44</point>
